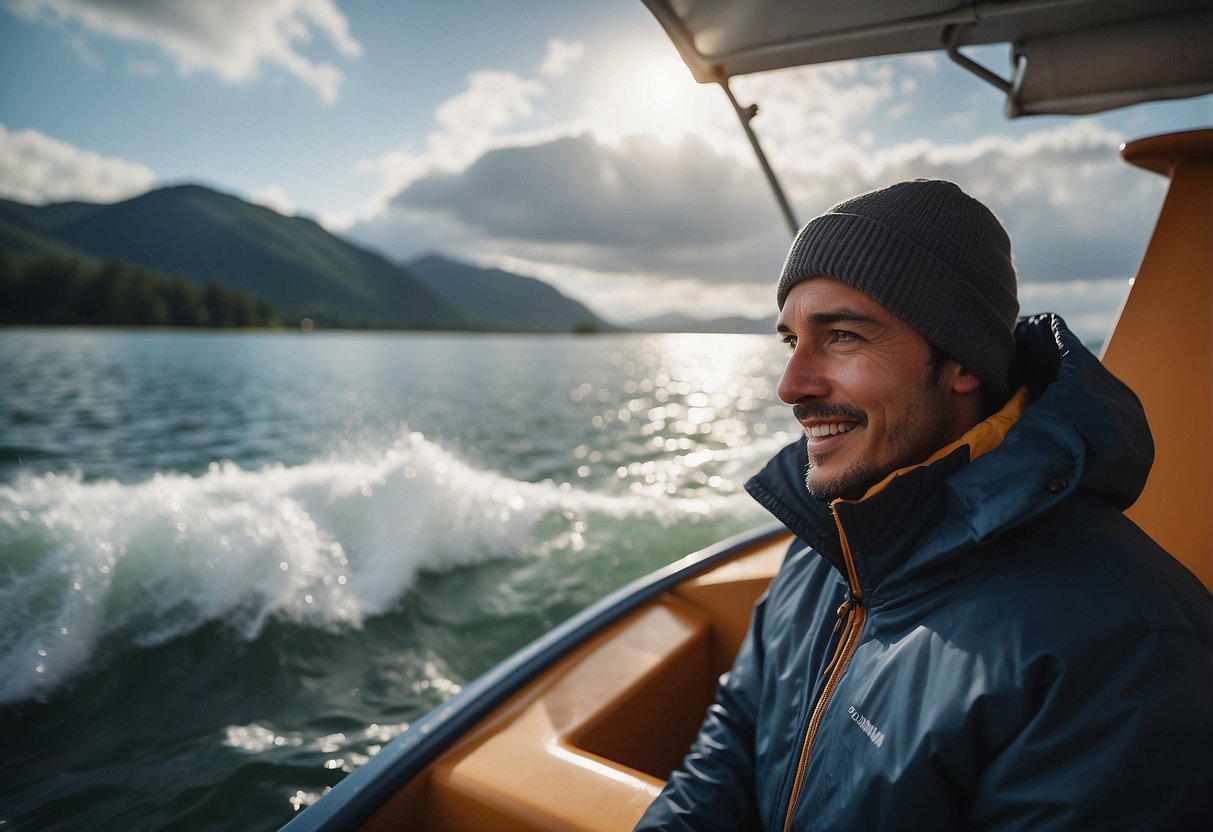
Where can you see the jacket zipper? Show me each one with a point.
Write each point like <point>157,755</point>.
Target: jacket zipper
<point>851,616</point>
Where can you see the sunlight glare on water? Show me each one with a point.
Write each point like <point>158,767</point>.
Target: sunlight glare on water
<point>690,402</point>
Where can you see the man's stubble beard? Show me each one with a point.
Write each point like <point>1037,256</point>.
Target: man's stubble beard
<point>913,440</point>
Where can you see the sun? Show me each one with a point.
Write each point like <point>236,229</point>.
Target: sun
<point>654,94</point>
<point>665,81</point>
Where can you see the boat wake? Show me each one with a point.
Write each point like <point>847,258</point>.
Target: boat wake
<point>326,544</point>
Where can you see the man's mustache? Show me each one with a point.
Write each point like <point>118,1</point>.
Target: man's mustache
<point>825,410</point>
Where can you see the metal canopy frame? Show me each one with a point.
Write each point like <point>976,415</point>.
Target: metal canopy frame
<point>865,29</point>
<point>745,115</point>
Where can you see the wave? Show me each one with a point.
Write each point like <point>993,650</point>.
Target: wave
<point>325,544</point>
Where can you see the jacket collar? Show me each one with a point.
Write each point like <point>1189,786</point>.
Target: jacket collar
<point>882,526</point>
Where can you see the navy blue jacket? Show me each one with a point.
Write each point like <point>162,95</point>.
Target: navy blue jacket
<point>984,642</point>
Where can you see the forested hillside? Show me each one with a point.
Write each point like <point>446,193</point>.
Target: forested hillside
<point>69,290</point>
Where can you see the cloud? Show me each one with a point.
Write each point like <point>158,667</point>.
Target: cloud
<point>821,102</point>
<point>640,204</point>
<point>562,55</point>
<point>275,198</point>
<point>578,190</point>
<point>36,169</point>
<point>929,61</point>
<point>1088,306</point>
<point>645,204</point>
<point>232,38</point>
<point>493,100</point>
<point>1074,210</point>
<point>470,123</point>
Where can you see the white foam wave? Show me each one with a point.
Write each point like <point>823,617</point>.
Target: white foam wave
<point>325,544</point>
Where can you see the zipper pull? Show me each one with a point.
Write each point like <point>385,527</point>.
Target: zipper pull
<point>844,609</point>
<point>843,614</point>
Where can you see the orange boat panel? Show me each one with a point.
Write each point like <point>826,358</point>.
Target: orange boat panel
<point>728,593</point>
<point>588,744</point>
<point>1162,347</point>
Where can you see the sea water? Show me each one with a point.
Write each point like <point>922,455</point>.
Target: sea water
<point>233,566</point>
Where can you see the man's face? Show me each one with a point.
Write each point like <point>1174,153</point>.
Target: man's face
<point>862,385</point>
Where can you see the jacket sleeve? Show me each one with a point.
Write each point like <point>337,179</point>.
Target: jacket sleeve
<point>714,788</point>
<point>1121,740</point>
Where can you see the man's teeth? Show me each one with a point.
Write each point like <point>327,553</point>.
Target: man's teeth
<point>829,430</point>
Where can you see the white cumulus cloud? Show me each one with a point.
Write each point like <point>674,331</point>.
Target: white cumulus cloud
<point>234,39</point>
<point>469,124</point>
<point>36,169</point>
<point>562,55</point>
<point>492,101</point>
<point>275,198</point>
<point>1073,208</point>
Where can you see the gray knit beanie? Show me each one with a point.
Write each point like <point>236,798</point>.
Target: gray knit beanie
<point>932,255</point>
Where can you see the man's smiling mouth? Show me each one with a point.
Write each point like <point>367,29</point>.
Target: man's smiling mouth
<point>830,429</point>
<point>821,420</point>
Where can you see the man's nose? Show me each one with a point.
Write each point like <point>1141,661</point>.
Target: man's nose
<point>803,377</point>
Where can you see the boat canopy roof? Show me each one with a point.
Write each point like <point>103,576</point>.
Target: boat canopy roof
<point>1067,56</point>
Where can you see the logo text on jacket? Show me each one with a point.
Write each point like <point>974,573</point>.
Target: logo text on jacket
<point>865,725</point>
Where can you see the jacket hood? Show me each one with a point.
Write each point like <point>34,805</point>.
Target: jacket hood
<point>1084,408</point>
<point>1084,430</point>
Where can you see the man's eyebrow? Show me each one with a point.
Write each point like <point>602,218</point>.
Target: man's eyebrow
<point>836,316</point>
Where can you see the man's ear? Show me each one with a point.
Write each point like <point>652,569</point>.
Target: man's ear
<point>959,380</point>
<point>964,381</point>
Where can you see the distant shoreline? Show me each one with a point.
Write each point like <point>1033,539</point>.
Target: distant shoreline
<point>295,330</point>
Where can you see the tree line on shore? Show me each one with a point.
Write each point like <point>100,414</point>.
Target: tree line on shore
<point>69,290</point>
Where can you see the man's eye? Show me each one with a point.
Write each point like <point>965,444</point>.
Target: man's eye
<point>790,340</point>
<point>844,335</point>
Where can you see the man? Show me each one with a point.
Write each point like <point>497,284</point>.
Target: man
<point>966,633</point>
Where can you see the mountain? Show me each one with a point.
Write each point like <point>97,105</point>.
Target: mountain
<point>675,322</point>
<point>206,235</point>
<point>26,228</point>
<point>504,301</point>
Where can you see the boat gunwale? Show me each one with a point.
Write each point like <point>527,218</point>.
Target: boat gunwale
<point>354,799</point>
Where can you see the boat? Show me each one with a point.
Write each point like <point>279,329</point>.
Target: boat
<point>578,730</point>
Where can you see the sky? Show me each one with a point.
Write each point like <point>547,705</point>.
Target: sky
<point>560,140</point>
